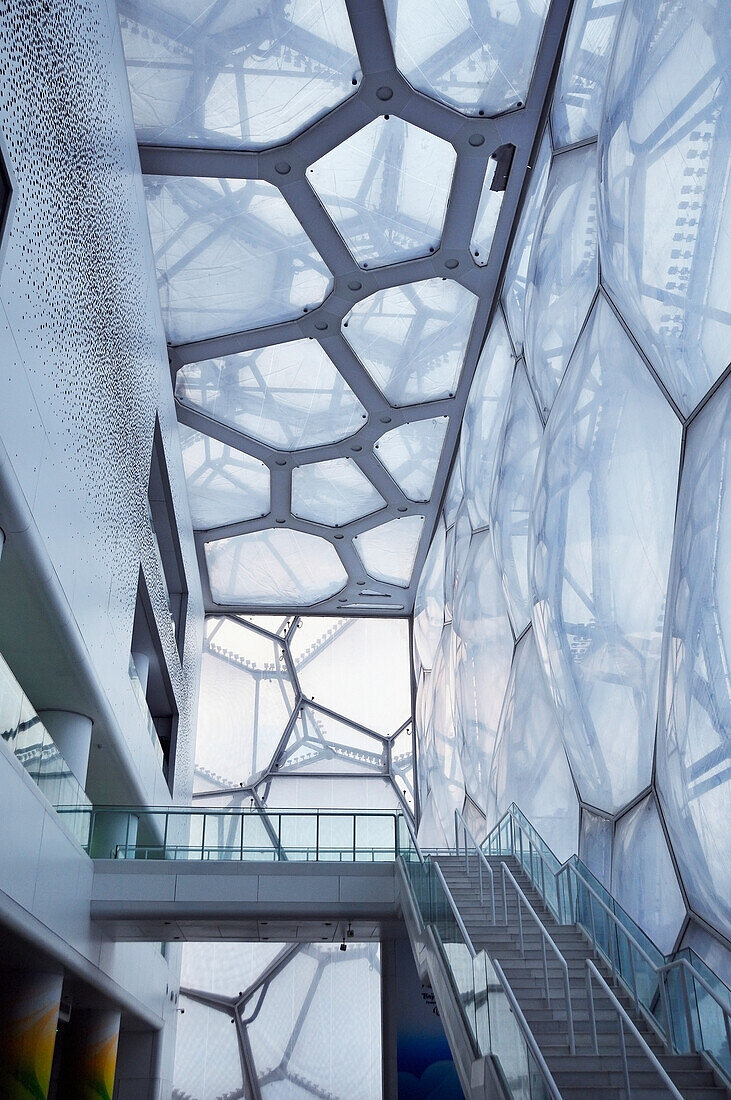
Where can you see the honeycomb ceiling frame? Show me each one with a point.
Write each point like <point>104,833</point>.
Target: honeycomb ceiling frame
<point>382,90</point>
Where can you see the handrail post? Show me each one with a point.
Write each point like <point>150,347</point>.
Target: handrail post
<point>688,1016</point>
<point>623,1047</point>
<point>592,1016</point>
<point>545,972</point>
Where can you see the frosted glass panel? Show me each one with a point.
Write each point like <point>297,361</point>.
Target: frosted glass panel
<point>271,567</point>
<point>563,273</point>
<point>476,57</point>
<point>602,532</point>
<point>235,75</point>
<point>694,752</point>
<point>665,204</point>
<point>358,667</point>
<point>529,765</point>
<point>511,496</point>
<point>412,339</point>
<point>333,492</point>
<point>487,216</point>
<point>411,455</point>
<point>516,272</point>
<point>386,188</point>
<point>429,602</point>
<point>652,897</point>
<point>224,485</point>
<point>230,255</point>
<point>289,396</point>
<point>246,698</point>
<point>482,421</point>
<point>388,552</point>
<point>484,652</point>
<point>577,99</point>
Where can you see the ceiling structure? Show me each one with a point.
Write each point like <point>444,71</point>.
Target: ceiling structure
<point>331,188</point>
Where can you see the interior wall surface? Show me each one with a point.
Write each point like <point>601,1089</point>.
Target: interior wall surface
<point>84,375</point>
<point>573,618</point>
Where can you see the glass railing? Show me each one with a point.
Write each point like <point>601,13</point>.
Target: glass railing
<point>31,743</point>
<point>686,1002</point>
<point>489,1009</point>
<point>242,834</point>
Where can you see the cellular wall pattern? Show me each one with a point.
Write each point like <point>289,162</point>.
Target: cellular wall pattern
<point>572,621</point>
<point>84,363</point>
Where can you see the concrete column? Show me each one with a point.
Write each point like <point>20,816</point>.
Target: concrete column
<point>113,830</point>
<point>71,735</point>
<point>142,665</point>
<point>90,1054</point>
<point>29,1007</point>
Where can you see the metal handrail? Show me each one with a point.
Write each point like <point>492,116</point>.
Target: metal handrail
<point>528,1035</point>
<point>455,910</point>
<point>658,970</point>
<point>545,938</point>
<point>623,1018</point>
<point>481,861</point>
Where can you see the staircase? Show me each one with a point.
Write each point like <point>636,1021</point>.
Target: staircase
<point>584,1074</point>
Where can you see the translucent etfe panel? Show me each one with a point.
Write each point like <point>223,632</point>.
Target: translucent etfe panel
<point>333,492</point>
<point>595,845</point>
<point>224,485</point>
<point>529,765</point>
<point>443,792</point>
<point>246,698</point>
<point>693,751</point>
<point>271,567</point>
<point>412,339</point>
<point>429,602</point>
<point>337,792</point>
<point>289,396</point>
<point>516,272</point>
<point>484,652</point>
<point>321,743</point>
<point>230,255</point>
<point>512,487</point>
<point>483,418</point>
<point>207,1062</point>
<point>320,1022</point>
<point>411,455</point>
<point>562,275</point>
<point>357,667</point>
<point>454,494</point>
<point>476,57</point>
<point>665,203</point>
<point>487,216</point>
<point>652,897</point>
<point>386,188</point>
<point>224,969</point>
<point>233,75</point>
<point>388,552</point>
<point>602,531</point>
<point>577,99</point>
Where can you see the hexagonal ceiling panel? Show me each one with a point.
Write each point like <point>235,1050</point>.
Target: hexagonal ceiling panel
<point>478,58</point>
<point>333,492</point>
<point>386,189</point>
<point>224,485</point>
<point>411,455</point>
<point>235,75</point>
<point>388,552</point>
<point>412,339</point>
<point>289,396</point>
<point>230,255</point>
<point>272,567</point>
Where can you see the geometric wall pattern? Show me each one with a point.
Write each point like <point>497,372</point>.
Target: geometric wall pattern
<point>305,712</point>
<point>572,623</point>
<point>330,192</point>
<point>269,1021</point>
